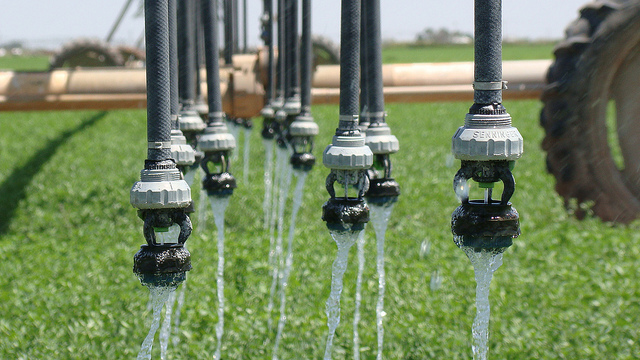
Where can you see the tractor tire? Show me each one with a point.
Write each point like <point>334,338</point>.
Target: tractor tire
<point>325,51</point>
<point>86,53</point>
<point>133,56</point>
<point>596,67</point>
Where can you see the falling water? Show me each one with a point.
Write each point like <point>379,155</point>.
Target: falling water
<point>356,311</point>
<point>247,154</point>
<point>485,263</point>
<point>345,240</point>
<point>219,205</point>
<point>277,261</point>
<point>284,279</point>
<point>379,220</point>
<point>179,305</point>
<point>268,180</point>
<point>159,296</point>
<point>165,329</point>
<point>234,129</point>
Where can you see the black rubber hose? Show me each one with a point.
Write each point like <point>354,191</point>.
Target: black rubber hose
<point>229,26</point>
<point>306,57</point>
<point>488,49</point>
<point>199,50</point>
<point>291,49</point>
<point>158,87</point>
<point>281,49</point>
<point>364,107</point>
<point>186,51</point>
<point>349,64</point>
<point>173,62</point>
<point>212,58</point>
<point>268,9</point>
<point>373,53</point>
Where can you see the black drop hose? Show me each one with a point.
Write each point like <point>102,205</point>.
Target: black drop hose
<point>291,49</point>
<point>199,49</point>
<point>306,58</point>
<point>488,50</point>
<point>281,49</point>
<point>349,65</point>
<point>373,53</point>
<point>173,63</point>
<point>186,50</point>
<point>158,86</point>
<point>271,73</point>
<point>212,58</point>
<point>229,27</point>
<point>364,88</point>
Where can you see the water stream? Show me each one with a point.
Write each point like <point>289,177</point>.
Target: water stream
<point>246,155</point>
<point>219,205</point>
<point>268,180</point>
<point>159,296</point>
<point>485,263</point>
<point>176,319</point>
<point>165,329</point>
<point>344,240</point>
<point>356,311</point>
<point>284,277</point>
<point>285,171</point>
<point>379,220</point>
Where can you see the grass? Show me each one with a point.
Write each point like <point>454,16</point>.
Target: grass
<point>25,63</point>
<point>567,290</point>
<point>416,53</point>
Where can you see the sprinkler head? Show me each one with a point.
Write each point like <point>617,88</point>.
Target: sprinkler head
<point>485,226</point>
<point>161,186</point>
<point>380,140</point>
<point>487,135</point>
<point>216,137</point>
<point>201,107</point>
<point>247,123</point>
<point>345,214</point>
<point>181,152</point>
<point>191,124</point>
<point>301,134</point>
<point>217,144</point>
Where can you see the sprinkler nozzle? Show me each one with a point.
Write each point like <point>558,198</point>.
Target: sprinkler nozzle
<point>302,132</point>
<point>219,184</point>
<point>181,152</point>
<point>345,214</point>
<point>383,191</point>
<point>485,226</point>
<point>162,265</point>
<point>487,135</point>
<point>201,107</point>
<point>191,124</point>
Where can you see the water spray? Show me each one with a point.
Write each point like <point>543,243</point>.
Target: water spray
<point>487,145</point>
<point>161,195</point>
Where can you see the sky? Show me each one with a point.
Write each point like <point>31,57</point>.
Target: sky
<point>49,23</point>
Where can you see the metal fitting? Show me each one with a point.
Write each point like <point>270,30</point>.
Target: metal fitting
<point>485,226</point>
<point>161,186</point>
<point>190,121</point>
<point>347,153</point>
<point>379,139</point>
<point>181,152</point>
<point>216,137</point>
<point>487,137</point>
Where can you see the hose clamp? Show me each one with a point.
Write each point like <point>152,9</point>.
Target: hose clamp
<point>489,85</point>
<point>159,145</point>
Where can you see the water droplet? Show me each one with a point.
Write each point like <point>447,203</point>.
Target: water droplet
<point>461,187</point>
<point>436,281</point>
<point>425,249</point>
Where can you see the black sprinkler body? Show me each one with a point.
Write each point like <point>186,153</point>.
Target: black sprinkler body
<point>343,214</point>
<point>485,227</point>
<point>383,191</point>
<point>302,161</point>
<point>220,184</point>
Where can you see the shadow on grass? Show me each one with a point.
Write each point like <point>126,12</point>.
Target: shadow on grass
<point>13,189</point>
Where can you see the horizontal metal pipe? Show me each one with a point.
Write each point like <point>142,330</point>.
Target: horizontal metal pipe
<point>125,88</point>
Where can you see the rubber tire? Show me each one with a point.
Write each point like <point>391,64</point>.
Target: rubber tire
<point>86,53</point>
<point>325,51</point>
<point>588,68</point>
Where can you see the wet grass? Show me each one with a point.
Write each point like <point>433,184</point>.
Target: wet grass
<point>567,290</point>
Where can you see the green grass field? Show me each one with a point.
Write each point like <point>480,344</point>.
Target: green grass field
<point>567,289</point>
<point>25,63</point>
<point>416,53</point>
